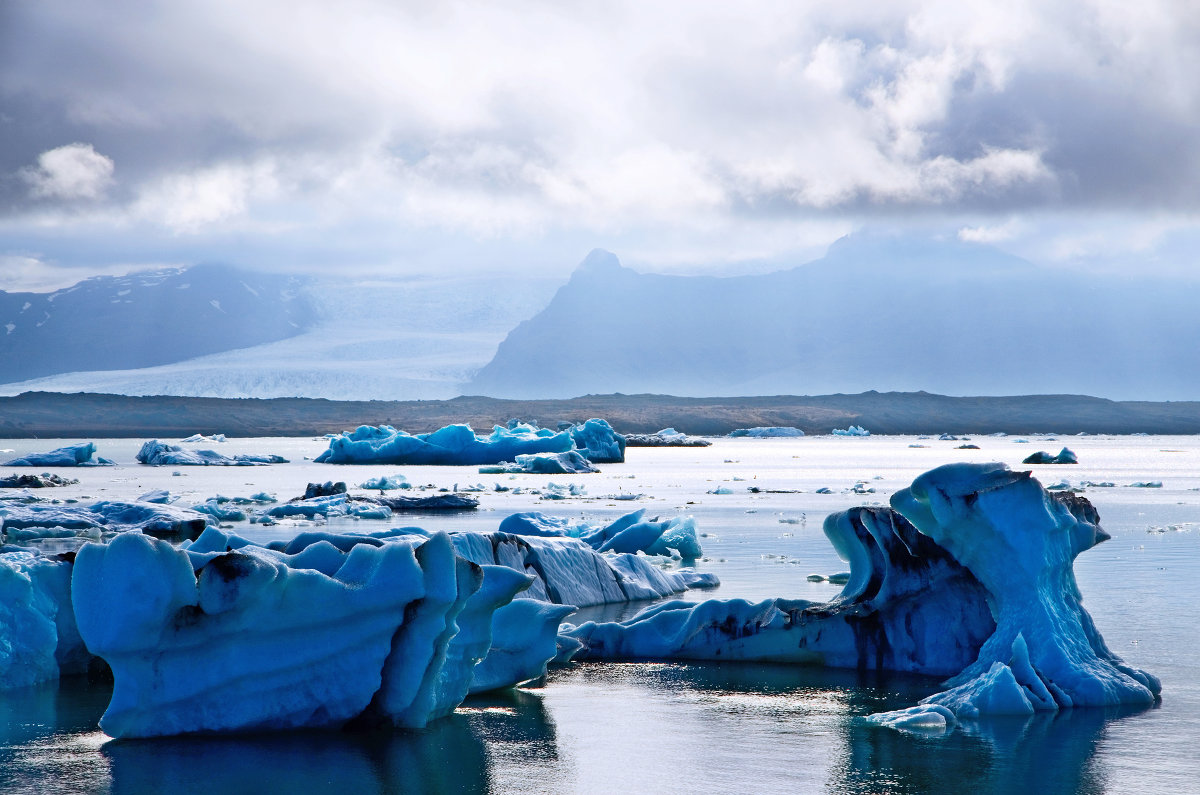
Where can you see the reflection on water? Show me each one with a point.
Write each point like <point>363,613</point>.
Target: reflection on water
<point>655,727</point>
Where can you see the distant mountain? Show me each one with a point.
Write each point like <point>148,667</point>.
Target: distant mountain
<point>384,338</point>
<point>145,319</point>
<point>875,313</point>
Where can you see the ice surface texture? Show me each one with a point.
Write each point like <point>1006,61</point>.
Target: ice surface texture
<point>460,445</point>
<point>156,453</point>
<point>970,573</point>
<point>76,455</point>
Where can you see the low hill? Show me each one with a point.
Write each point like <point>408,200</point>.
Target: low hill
<point>56,415</point>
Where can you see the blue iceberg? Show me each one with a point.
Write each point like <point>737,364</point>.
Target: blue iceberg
<point>768,432</point>
<point>1065,456</point>
<point>459,445</point>
<point>853,430</point>
<point>968,574</point>
<point>630,533</point>
<point>568,463</point>
<point>75,455</point>
<point>156,453</point>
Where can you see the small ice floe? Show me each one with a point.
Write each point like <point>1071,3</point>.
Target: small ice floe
<point>853,430</point>
<point>199,437</point>
<point>386,483</point>
<point>1065,456</point>
<point>1146,484</point>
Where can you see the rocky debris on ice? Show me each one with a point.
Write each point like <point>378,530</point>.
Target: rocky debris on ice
<point>42,481</point>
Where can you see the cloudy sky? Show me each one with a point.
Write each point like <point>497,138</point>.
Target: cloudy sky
<point>516,136</point>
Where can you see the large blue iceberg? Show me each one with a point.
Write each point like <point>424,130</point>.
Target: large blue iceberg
<point>75,455</point>
<point>459,445</point>
<point>969,574</point>
<point>221,634</point>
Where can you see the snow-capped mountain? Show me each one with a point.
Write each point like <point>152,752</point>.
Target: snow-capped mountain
<point>402,338</point>
<point>146,319</point>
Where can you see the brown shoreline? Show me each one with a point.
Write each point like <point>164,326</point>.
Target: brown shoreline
<point>59,415</point>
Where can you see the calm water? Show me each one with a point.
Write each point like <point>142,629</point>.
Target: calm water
<point>682,728</point>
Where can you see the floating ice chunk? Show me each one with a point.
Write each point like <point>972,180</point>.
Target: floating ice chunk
<point>107,516</point>
<point>1044,637</point>
<point>525,639</point>
<point>568,571</point>
<point>38,637</point>
<point>240,642</point>
<point>1146,484</point>
<point>768,432</point>
<point>75,455</point>
<point>199,437</point>
<point>332,505</point>
<point>598,442</point>
<point>853,430</point>
<point>568,463</point>
<point>220,512</point>
<point>460,445</point>
<point>451,445</point>
<point>156,453</point>
<point>667,437</point>
<point>1065,456</point>
<point>923,718</point>
<point>386,483</point>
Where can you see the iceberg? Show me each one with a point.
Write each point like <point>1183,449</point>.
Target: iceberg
<point>571,462</point>
<point>853,430</point>
<point>75,455</point>
<point>630,533</point>
<point>38,636</point>
<point>324,630</point>
<point>156,453</point>
<point>768,432</point>
<point>667,437</point>
<point>968,574</point>
<point>100,519</point>
<point>598,442</point>
<point>459,445</point>
<point>42,481</point>
<point>1065,456</point>
<point>386,483</point>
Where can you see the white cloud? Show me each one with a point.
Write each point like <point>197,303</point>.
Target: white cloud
<point>74,171</point>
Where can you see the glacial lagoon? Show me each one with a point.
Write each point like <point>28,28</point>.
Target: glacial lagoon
<point>675,727</point>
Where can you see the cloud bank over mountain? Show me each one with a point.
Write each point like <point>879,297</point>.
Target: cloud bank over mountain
<point>688,136</point>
